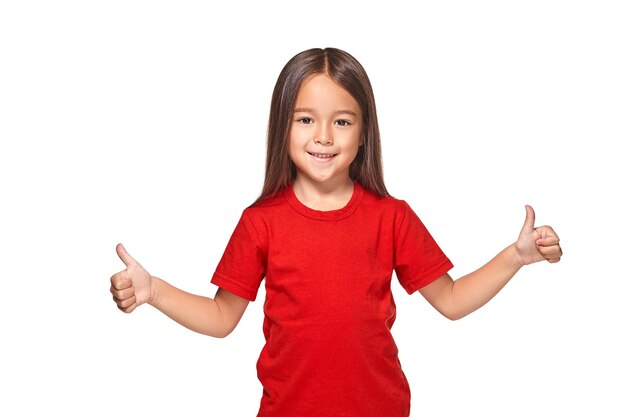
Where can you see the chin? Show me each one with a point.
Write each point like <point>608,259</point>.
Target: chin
<point>325,179</point>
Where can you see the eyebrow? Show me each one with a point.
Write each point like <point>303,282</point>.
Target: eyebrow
<point>310,110</point>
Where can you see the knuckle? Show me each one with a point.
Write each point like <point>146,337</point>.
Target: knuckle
<point>124,309</point>
<point>116,282</point>
<point>127,302</point>
<point>128,293</point>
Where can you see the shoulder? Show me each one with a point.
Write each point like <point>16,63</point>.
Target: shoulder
<point>271,207</point>
<point>385,204</point>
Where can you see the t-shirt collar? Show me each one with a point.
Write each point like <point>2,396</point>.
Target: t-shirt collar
<point>330,215</point>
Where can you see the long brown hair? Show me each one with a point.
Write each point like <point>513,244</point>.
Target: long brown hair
<point>346,71</point>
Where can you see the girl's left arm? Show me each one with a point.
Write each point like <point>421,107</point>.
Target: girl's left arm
<point>456,299</point>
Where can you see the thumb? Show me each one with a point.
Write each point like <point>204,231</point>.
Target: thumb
<point>529,223</point>
<point>124,256</point>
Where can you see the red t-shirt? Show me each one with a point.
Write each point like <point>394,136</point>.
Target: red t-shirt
<point>329,308</point>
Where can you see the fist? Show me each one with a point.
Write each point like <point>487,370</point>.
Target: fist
<point>132,286</point>
<point>537,243</point>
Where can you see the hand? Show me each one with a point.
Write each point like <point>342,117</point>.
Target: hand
<point>537,243</point>
<point>132,286</point>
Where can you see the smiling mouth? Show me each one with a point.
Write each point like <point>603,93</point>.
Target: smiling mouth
<point>322,155</point>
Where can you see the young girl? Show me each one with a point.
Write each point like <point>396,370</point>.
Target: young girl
<point>327,236</point>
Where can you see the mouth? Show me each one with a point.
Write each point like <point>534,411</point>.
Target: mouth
<point>322,156</point>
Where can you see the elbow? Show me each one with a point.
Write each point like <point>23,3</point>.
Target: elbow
<point>222,323</point>
<point>453,314</point>
<point>217,332</point>
<point>223,333</point>
<point>453,310</point>
<point>222,330</point>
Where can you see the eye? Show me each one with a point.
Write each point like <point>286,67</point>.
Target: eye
<point>304,120</point>
<point>343,122</point>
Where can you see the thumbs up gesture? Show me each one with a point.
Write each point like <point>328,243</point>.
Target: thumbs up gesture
<point>132,286</point>
<point>537,243</point>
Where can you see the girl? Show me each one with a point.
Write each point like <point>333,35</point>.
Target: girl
<point>327,236</point>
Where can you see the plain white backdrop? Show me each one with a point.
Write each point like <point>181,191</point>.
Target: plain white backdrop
<point>144,123</point>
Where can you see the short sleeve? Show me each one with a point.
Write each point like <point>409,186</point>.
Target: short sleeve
<point>242,267</point>
<point>418,260</point>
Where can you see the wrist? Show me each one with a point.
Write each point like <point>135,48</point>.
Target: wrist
<point>516,256</point>
<point>154,290</point>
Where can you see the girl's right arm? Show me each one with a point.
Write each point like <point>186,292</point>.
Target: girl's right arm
<point>213,317</point>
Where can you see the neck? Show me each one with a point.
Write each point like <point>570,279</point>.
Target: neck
<point>326,196</point>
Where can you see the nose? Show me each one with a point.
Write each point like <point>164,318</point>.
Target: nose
<point>324,136</point>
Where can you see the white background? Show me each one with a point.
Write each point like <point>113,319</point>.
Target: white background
<point>144,123</point>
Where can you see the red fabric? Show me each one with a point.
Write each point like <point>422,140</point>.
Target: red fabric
<point>329,308</point>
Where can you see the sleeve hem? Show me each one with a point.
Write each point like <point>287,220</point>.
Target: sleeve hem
<point>229,285</point>
<point>429,277</point>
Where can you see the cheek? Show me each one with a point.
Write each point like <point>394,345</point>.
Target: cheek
<point>295,138</point>
<point>358,148</point>
<point>355,142</point>
<point>354,151</point>
<point>291,140</point>
<point>294,146</point>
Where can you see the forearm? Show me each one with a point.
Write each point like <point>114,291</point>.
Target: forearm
<point>198,313</point>
<point>457,299</point>
<point>475,289</point>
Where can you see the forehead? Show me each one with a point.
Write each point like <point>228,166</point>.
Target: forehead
<point>319,91</point>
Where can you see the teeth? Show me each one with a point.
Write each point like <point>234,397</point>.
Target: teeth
<point>323,155</point>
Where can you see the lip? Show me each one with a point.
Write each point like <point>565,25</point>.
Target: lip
<point>322,156</point>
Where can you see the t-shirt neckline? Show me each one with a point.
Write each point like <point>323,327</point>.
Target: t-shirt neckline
<point>330,215</point>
